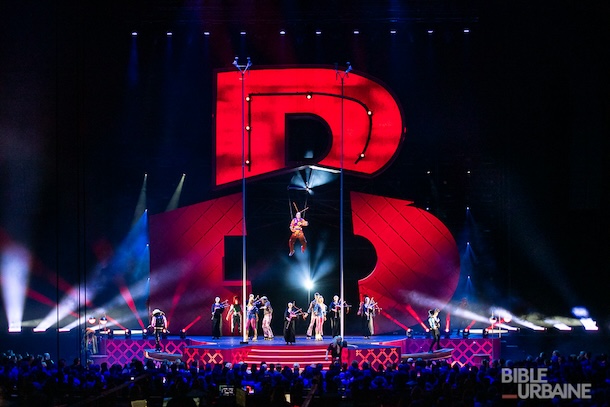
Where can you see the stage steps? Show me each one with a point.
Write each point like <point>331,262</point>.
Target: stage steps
<point>288,355</point>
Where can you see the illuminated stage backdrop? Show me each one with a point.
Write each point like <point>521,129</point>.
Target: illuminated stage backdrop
<point>418,264</point>
<point>373,125</point>
<point>186,260</point>
<point>417,258</point>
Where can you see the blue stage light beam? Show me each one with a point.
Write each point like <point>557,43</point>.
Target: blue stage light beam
<point>297,182</point>
<point>141,205</point>
<point>126,256</point>
<point>133,68</point>
<point>312,177</point>
<point>318,177</point>
<point>173,202</point>
<point>15,272</point>
<point>414,297</point>
<point>68,305</point>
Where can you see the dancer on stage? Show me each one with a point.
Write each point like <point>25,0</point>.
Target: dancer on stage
<point>217,310</point>
<point>290,318</point>
<point>252,317</point>
<point>312,322</point>
<point>158,322</point>
<point>267,316</point>
<point>296,227</point>
<point>319,311</point>
<point>434,323</point>
<point>366,311</point>
<point>234,315</point>
<point>335,348</point>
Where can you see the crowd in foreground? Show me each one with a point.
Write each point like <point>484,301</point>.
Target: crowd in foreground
<point>38,380</point>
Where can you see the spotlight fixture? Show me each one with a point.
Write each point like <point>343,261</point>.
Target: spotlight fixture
<point>134,33</point>
<point>361,155</point>
<point>485,333</point>
<point>466,333</point>
<point>392,32</point>
<point>282,32</point>
<point>356,32</point>
<point>410,333</point>
<point>144,333</point>
<point>247,162</point>
<point>430,32</point>
<point>242,33</point>
<point>247,98</point>
<point>370,113</point>
<point>466,30</point>
<point>318,32</point>
<point>92,320</point>
<point>309,95</point>
<point>110,334</point>
<point>206,33</point>
<point>182,334</point>
<point>248,127</point>
<point>127,334</point>
<point>447,333</point>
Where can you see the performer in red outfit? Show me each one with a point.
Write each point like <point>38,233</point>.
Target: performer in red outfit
<point>296,227</point>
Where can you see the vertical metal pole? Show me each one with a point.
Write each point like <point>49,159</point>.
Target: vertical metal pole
<point>243,203</point>
<point>242,70</point>
<point>341,281</point>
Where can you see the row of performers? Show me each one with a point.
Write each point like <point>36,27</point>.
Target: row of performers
<point>318,312</point>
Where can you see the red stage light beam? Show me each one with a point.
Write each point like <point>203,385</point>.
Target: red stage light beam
<point>186,328</point>
<point>414,315</point>
<point>130,302</point>
<point>115,322</point>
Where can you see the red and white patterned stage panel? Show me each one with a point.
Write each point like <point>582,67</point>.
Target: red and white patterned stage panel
<point>385,350</point>
<point>465,351</point>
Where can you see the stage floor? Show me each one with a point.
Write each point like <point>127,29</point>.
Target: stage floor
<point>235,341</point>
<point>382,349</point>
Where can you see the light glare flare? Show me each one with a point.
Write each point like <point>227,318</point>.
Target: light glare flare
<point>15,273</point>
<point>580,312</point>
<point>589,324</point>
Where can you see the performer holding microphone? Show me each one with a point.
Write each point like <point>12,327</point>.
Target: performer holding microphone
<point>252,317</point>
<point>319,312</point>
